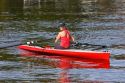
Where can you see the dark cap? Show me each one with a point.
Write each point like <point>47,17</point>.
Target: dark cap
<point>62,24</point>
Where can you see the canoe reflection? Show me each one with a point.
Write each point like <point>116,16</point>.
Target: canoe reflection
<point>68,62</point>
<point>65,64</point>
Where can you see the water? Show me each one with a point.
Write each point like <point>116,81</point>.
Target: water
<point>97,22</point>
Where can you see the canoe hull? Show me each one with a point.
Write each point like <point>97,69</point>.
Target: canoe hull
<point>70,53</point>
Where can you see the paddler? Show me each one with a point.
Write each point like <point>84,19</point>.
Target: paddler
<point>65,38</point>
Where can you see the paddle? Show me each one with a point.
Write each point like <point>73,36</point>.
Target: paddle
<point>73,45</point>
<point>87,45</point>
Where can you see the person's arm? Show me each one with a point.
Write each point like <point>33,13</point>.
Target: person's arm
<point>57,37</point>
<point>72,38</point>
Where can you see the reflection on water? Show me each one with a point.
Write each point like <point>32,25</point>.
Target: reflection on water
<point>63,63</point>
<point>43,68</point>
<point>68,62</point>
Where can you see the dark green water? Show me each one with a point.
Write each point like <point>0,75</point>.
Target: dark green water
<point>98,22</point>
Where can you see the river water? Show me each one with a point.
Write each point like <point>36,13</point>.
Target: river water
<point>96,22</point>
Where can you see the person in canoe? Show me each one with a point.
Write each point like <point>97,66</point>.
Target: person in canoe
<point>65,38</point>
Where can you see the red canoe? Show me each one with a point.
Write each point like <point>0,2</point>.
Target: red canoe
<point>68,52</point>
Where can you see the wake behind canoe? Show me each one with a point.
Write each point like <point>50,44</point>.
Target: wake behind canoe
<point>68,52</point>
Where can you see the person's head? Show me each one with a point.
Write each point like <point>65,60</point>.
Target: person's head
<point>62,26</point>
